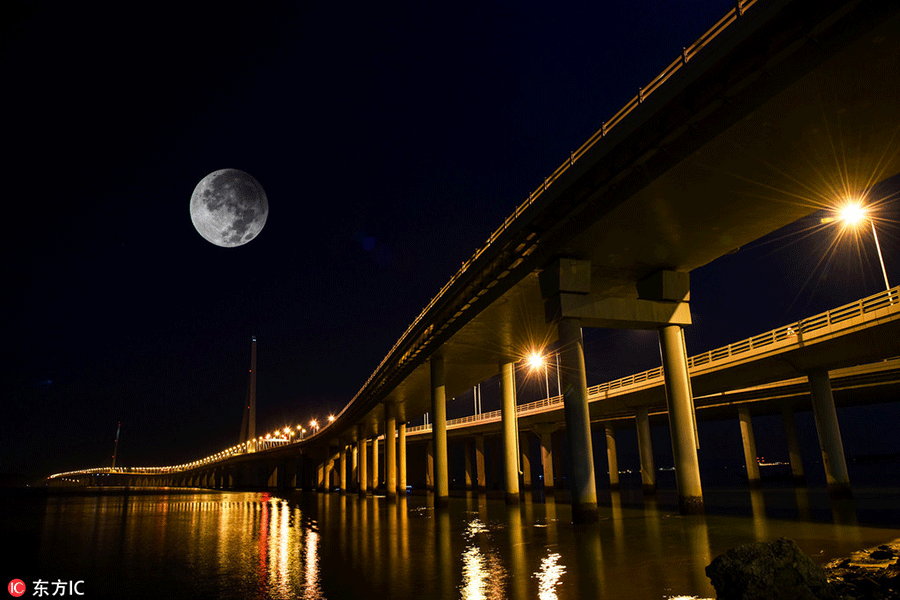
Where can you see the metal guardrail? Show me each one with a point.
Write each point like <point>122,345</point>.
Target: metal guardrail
<point>643,93</point>
<point>786,333</point>
<point>719,355</point>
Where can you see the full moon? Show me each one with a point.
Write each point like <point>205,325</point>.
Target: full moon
<point>229,207</point>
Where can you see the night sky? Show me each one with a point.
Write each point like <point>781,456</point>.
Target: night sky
<point>391,140</point>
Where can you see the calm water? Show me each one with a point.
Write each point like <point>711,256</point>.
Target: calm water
<point>258,545</point>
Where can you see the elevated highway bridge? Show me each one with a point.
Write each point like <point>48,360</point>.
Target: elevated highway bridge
<point>782,108</point>
<point>763,374</point>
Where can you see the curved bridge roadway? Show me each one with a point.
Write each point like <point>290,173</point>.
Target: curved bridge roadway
<point>782,108</point>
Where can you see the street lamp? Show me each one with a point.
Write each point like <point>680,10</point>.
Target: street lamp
<point>536,361</point>
<point>852,215</point>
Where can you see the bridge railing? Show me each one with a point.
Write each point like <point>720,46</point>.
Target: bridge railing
<point>786,332</point>
<point>643,93</point>
<point>792,332</point>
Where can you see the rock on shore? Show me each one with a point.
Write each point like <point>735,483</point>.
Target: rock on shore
<point>871,573</point>
<point>776,570</point>
<point>780,570</point>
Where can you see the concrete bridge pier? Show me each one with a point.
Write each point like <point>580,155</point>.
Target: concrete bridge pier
<point>526,460</point>
<point>329,470</point>
<point>510,431</point>
<point>578,421</point>
<point>439,433</point>
<point>268,474</point>
<point>612,459</point>
<point>429,465</point>
<point>353,475</point>
<point>749,441</point>
<point>565,287</point>
<point>467,463</point>
<point>544,431</point>
<point>645,448</point>
<point>829,434</point>
<point>373,471</point>
<point>342,468</point>
<point>682,420</point>
<point>401,458</point>
<point>480,474</point>
<point>362,442</point>
<point>793,440</point>
<point>390,452</point>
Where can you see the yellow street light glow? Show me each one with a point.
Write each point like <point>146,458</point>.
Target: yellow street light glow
<point>852,213</point>
<point>330,418</point>
<point>536,360</point>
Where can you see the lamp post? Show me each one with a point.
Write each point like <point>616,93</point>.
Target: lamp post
<point>852,214</point>
<point>536,361</point>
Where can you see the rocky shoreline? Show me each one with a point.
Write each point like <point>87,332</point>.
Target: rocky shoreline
<point>779,570</point>
<point>869,573</point>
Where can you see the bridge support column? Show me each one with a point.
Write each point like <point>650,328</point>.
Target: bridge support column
<point>390,452</point>
<point>612,459</point>
<point>545,434</point>
<point>682,420</point>
<point>439,433</point>
<point>401,459</point>
<point>645,448</point>
<point>320,476</point>
<point>480,475</point>
<point>578,421</point>
<point>526,460</point>
<point>362,442</point>
<point>429,466</point>
<point>749,441</point>
<point>374,479</point>
<point>510,431</point>
<point>467,458</point>
<point>793,440</point>
<point>342,465</point>
<point>354,468</point>
<point>829,434</point>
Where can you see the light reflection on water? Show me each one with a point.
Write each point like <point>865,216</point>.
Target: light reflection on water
<point>483,574</point>
<point>549,576</point>
<point>254,545</point>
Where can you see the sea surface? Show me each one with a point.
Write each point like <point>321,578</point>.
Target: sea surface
<point>222,544</point>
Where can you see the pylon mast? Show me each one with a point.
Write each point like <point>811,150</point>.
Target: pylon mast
<point>251,404</point>
<point>116,446</point>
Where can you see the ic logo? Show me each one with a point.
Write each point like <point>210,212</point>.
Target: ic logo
<point>16,588</point>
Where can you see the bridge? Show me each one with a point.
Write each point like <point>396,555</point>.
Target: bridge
<point>733,140</point>
<point>863,330</point>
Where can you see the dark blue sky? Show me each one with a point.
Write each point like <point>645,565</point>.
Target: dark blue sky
<point>391,139</point>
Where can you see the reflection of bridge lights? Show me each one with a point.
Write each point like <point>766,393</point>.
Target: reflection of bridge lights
<point>549,577</point>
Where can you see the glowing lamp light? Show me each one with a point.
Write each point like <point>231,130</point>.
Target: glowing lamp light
<point>536,360</point>
<point>852,213</point>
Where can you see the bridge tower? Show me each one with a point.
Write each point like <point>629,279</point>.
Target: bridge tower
<point>248,425</point>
